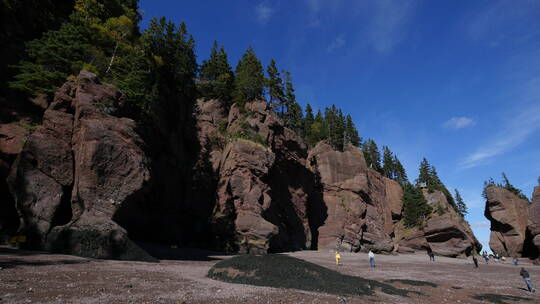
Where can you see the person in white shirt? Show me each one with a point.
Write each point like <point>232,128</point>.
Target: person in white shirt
<point>371,259</point>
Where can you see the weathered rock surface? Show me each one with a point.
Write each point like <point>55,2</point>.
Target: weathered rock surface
<point>532,241</point>
<point>262,201</point>
<point>509,218</point>
<point>446,232</point>
<point>77,170</point>
<point>243,198</point>
<point>359,214</point>
<point>12,139</point>
<point>89,182</point>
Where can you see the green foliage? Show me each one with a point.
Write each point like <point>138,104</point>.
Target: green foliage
<point>96,33</point>
<point>461,206</point>
<point>351,134</point>
<point>249,78</point>
<point>23,21</point>
<point>274,83</point>
<point>505,184</point>
<point>216,78</point>
<point>415,206</point>
<point>246,132</point>
<point>372,155</point>
<point>428,175</point>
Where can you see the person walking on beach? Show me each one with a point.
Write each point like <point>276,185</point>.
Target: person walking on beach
<point>431,256</point>
<point>371,258</point>
<point>527,278</point>
<point>475,260</point>
<point>338,258</point>
<point>486,257</point>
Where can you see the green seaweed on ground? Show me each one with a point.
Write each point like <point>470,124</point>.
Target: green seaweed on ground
<point>412,282</point>
<point>281,271</point>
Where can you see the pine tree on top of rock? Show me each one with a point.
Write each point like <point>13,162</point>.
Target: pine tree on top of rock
<point>351,134</point>
<point>461,206</point>
<point>274,83</point>
<point>216,76</point>
<point>427,174</point>
<point>372,155</point>
<point>508,186</point>
<point>415,207</point>
<point>400,174</point>
<point>293,111</point>
<point>388,167</point>
<point>249,78</point>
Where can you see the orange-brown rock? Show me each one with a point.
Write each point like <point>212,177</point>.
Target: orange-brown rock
<point>509,218</point>
<point>82,168</point>
<point>446,232</point>
<point>359,216</point>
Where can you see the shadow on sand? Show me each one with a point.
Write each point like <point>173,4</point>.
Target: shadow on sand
<point>499,299</point>
<point>163,252</point>
<point>12,262</point>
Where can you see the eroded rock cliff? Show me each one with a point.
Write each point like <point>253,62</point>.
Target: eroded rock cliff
<point>508,215</point>
<point>91,182</point>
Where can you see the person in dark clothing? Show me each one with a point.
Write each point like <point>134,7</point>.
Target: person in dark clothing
<point>475,260</point>
<point>431,255</point>
<point>527,278</point>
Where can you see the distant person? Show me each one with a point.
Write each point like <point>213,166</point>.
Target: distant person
<point>486,257</point>
<point>515,260</point>
<point>527,278</point>
<point>371,258</point>
<point>431,256</point>
<point>475,260</point>
<point>338,258</point>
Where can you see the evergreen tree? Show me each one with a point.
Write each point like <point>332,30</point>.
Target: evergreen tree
<point>274,83</point>
<point>415,207</point>
<point>424,174</point>
<point>317,130</point>
<point>508,186</point>
<point>461,206</point>
<point>308,121</point>
<point>249,78</point>
<point>400,174</point>
<point>293,115</point>
<point>388,168</point>
<point>158,74</point>
<point>97,33</point>
<point>351,134</point>
<point>216,76</point>
<point>372,155</point>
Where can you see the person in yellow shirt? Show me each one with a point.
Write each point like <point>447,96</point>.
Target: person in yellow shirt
<point>338,258</point>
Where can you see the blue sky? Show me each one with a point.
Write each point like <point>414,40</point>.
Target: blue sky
<point>457,82</point>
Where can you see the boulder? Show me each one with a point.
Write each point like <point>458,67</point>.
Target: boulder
<point>509,218</point>
<point>446,232</point>
<point>81,170</point>
<point>359,215</point>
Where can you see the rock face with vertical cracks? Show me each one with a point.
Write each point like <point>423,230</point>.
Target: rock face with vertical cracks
<point>532,242</point>
<point>264,186</point>
<point>359,207</point>
<point>77,170</point>
<point>509,218</point>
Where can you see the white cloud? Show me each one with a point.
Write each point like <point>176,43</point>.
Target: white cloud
<point>389,23</point>
<point>337,43</point>
<point>264,12</point>
<point>514,132</point>
<point>459,122</point>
